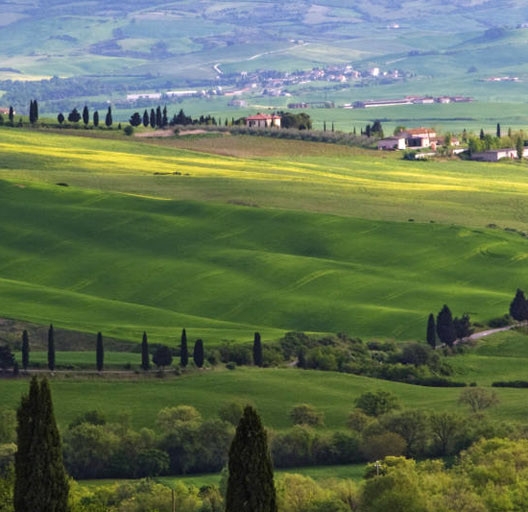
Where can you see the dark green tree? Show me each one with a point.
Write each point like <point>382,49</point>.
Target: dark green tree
<point>146,119</point>
<point>152,118</point>
<point>159,117</point>
<point>85,116</point>
<point>60,118</point>
<point>51,348</point>
<point>519,147</point>
<point>74,116</point>
<point>25,350</point>
<point>7,359</point>
<point>99,352</point>
<point>145,358</point>
<point>164,117</point>
<point>431,331</point>
<point>257,350</point>
<point>481,134</point>
<point>33,111</point>
<point>162,357</point>
<point>445,328</point>
<point>376,129</point>
<point>135,119</point>
<point>11,114</point>
<point>96,118</point>
<point>462,326</point>
<point>198,353</point>
<point>250,486</point>
<point>498,133</point>
<point>519,307</point>
<point>41,482</point>
<point>184,351</point>
<point>108,118</point>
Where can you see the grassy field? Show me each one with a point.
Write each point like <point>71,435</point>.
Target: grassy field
<point>130,246</point>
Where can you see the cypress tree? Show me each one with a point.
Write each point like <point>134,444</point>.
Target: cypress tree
<point>41,482</point>
<point>198,353</point>
<point>519,307</point>
<point>99,352</point>
<point>11,114</point>
<point>96,118</point>
<point>108,118</point>
<point>184,352</point>
<point>60,118</point>
<point>159,117</point>
<point>164,117</point>
<point>145,358</point>
<point>445,328</point>
<point>431,331</point>
<point>51,348</point>
<point>25,350</point>
<point>85,116</point>
<point>152,118</point>
<point>146,119</point>
<point>250,486</point>
<point>35,110</point>
<point>257,350</point>
<point>498,131</point>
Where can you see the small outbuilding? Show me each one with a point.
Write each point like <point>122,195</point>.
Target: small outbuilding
<point>263,121</point>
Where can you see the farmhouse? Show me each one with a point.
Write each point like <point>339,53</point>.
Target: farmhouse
<point>263,121</point>
<point>411,138</point>
<point>494,155</point>
<point>5,111</point>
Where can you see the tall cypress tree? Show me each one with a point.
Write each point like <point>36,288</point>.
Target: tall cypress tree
<point>108,118</point>
<point>11,114</point>
<point>99,352</point>
<point>250,486</point>
<point>198,353</point>
<point>41,482</point>
<point>85,116</point>
<point>152,118</point>
<point>145,358</point>
<point>184,352</point>
<point>445,327</point>
<point>146,119</point>
<point>257,350</point>
<point>431,331</point>
<point>51,348</point>
<point>25,350</point>
<point>96,118</point>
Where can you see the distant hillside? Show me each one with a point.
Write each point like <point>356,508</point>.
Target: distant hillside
<point>160,43</point>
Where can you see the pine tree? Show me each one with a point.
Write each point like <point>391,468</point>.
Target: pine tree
<point>85,116</point>
<point>51,348</point>
<point>135,119</point>
<point>145,358</point>
<point>108,118</point>
<point>445,327</point>
<point>184,352</point>
<point>431,331</point>
<point>96,118</point>
<point>198,353</point>
<point>99,352</point>
<point>25,350</point>
<point>250,486</point>
<point>519,307</point>
<point>257,350</point>
<point>41,482</point>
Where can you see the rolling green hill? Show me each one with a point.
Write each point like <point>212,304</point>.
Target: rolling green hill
<point>129,246</point>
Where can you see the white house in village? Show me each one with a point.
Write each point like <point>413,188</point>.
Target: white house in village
<point>263,121</point>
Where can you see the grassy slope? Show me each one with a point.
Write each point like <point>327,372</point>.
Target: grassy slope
<point>130,263</point>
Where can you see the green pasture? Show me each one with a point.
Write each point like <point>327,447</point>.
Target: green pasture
<point>501,357</point>
<point>272,391</point>
<point>86,359</point>
<point>129,246</point>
